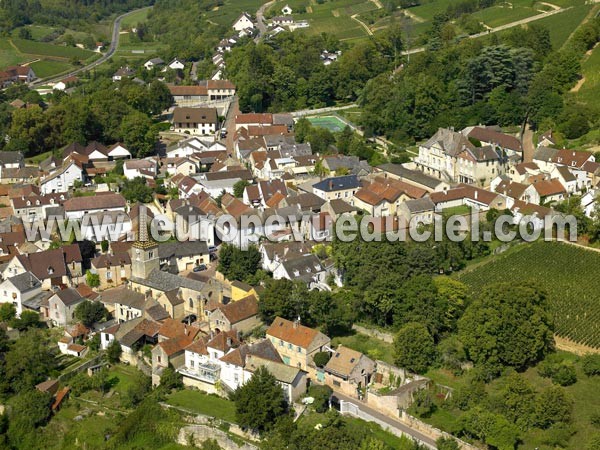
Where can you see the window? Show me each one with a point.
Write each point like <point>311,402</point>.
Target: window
<point>299,349</point>
<point>280,342</point>
<point>192,363</point>
<point>290,346</point>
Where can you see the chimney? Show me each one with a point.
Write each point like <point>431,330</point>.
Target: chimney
<point>476,195</point>
<point>229,342</point>
<point>297,322</point>
<point>330,184</point>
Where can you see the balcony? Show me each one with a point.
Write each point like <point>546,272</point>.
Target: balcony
<point>206,372</point>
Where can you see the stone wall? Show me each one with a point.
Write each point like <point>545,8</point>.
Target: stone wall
<point>197,434</point>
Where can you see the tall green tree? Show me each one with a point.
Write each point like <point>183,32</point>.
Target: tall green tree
<point>508,324</point>
<point>414,348</point>
<point>260,402</point>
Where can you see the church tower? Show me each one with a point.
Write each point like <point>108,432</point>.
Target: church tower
<point>144,251</point>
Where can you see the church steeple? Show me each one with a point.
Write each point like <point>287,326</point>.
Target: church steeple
<point>144,251</point>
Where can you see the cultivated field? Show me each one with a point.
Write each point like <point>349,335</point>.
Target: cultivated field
<point>571,276</point>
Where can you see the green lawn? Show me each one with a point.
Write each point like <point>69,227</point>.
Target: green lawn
<point>134,19</point>
<point>502,14</point>
<point>201,403</point>
<point>145,50</point>
<point>570,275</point>
<point>45,49</point>
<point>563,24</point>
<point>48,68</point>
<point>373,347</point>
<point>9,56</point>
<point>38,32</point>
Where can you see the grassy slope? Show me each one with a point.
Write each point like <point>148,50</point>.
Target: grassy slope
<point>200,403</point>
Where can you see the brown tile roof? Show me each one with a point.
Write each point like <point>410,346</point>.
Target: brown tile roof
<point>242,309</point>
<point>171,328</point>
<point>188,90</point>
<point>265,130</point>
<point>530,208</point>
<point>176,344</point>
<point>296,334</point>
<point>46,264</point>
<point>233,206</point>
<point>114,260</point>
<point>343,361</point>
<point>571,158</point>
<point>195,115</point>
<point>494,137</point>
<point>220,84</point>
<point>549,187</point>
<point>69,296</point>
<point>224,341</point>
<point>96,202</point>
<point>198,346</point>
<point>265,118</point>
<point>60,396</point>
<point>511,189</point>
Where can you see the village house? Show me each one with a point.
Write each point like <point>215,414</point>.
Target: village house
<point>467,195</point>
<point>154,63</point>
<point>24,291</point>
<point>123,73</point>
<point>419,211</point>
<point>347,371</point>
<point>184,96</point>
<point>112,269</point>
<point>145,168</point>
<point>77,207</point>
<point>199,121</point>
<point>10,160</point>
<point>510,145</point>
<point>131,336</point>
<point>183,256</point>
<point>35,207</point>
<point>451,157</point>
<point>51,267</point>
<point>344,187</point>
<point>241,315</point>
<point>243,22</point>
<point>296,343</point>
<point>16,74</point>
<point>550,190</point>
<point>60,307</point>
<point>63,179</point>
<point>516,191</point>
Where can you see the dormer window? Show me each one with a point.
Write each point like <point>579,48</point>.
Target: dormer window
<point>50,270</point>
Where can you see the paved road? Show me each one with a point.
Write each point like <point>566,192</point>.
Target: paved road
<point>412,51</point>
<point>260,19</point>
<point>114,44</point>
<point>388,420</point>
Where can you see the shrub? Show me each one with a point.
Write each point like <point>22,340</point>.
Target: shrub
<point>321,358</point>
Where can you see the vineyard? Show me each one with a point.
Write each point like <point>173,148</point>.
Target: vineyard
<point>571,276</point>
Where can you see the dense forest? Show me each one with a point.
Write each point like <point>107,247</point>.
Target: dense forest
<point>67,13</point>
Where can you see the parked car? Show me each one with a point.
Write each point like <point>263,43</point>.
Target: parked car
<point>200,268</point>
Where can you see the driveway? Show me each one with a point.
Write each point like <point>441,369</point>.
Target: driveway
<point>396,424</point>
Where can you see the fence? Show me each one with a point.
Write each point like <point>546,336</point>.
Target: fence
<point>82,367</point>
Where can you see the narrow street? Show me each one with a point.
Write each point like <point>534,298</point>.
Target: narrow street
<point>396,424</point>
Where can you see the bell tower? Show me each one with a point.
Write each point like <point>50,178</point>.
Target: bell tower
<point>144,251</point>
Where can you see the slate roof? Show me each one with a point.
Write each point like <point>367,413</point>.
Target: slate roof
<point>164,281</point>
<point>169,250</point>
<point>25,282</point>
<point>451,142</point>
<point>338,183</point>
<point>69,296</point>
<point>420,205</point>
<point>484,134</point>
<point>415,176</point>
